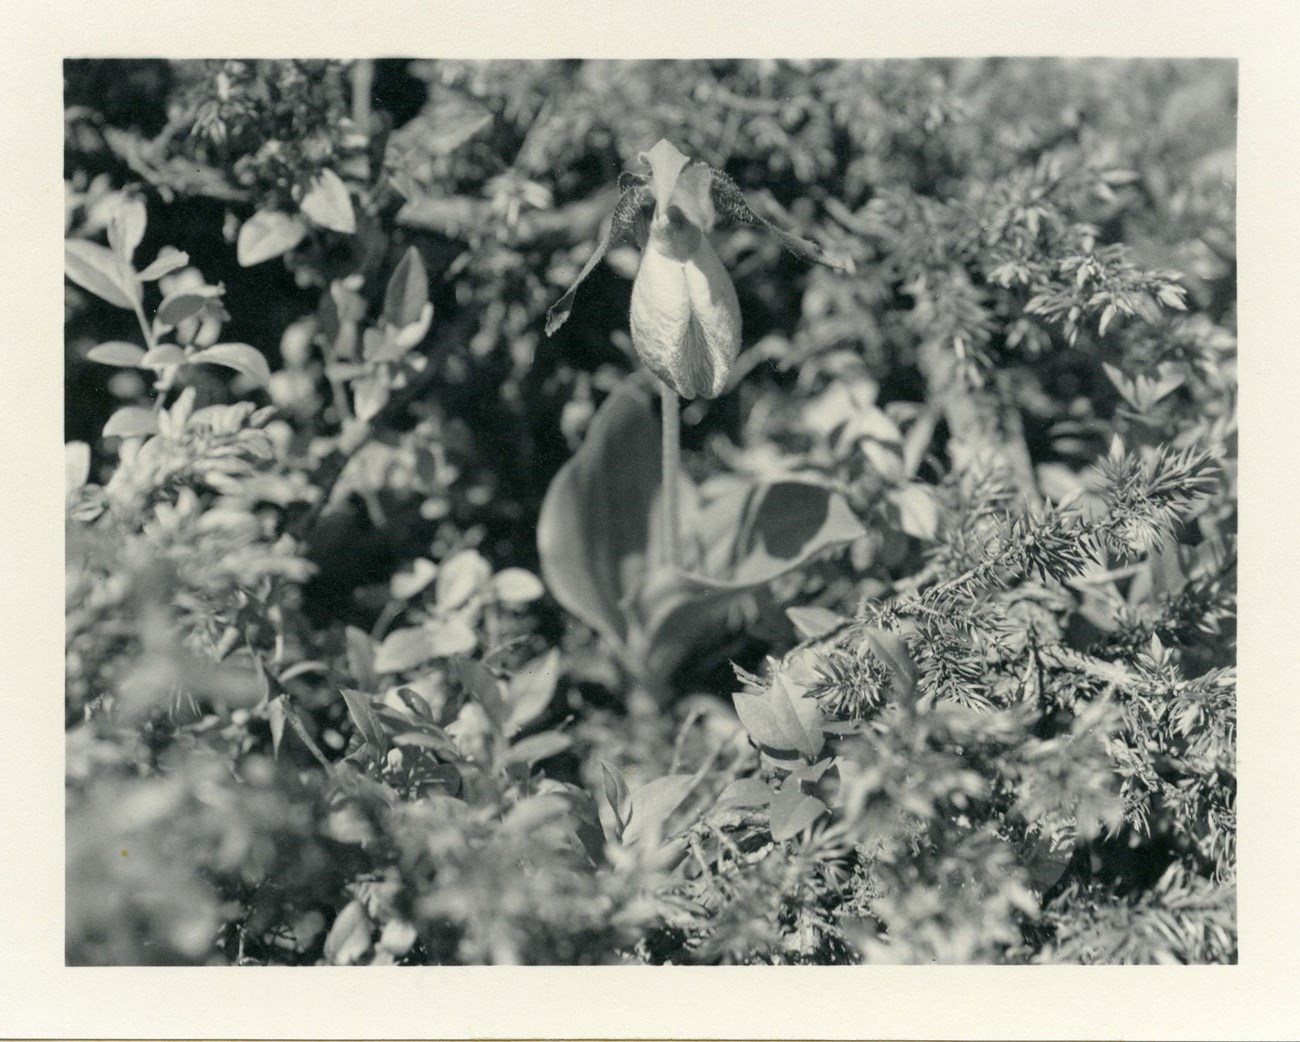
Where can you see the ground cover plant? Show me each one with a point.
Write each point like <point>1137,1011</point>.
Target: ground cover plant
<point>411,619</point>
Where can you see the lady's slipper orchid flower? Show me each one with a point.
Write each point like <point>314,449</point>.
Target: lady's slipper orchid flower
<point>685,316</point>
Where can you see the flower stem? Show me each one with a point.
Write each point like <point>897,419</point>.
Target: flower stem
<point>672,459</point>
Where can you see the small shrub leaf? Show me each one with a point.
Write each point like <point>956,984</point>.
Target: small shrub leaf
<point>328,204</point>
<point>240,357</point>
<point>131,422</point>
<point>266,235</point>
<point>100,271</point>
<point>117,352</point>
<point>408,290</point>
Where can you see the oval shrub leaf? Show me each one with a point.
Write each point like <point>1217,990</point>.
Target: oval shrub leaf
<point>452,637</point>
<point>117,352</point>
<point>918,510</point>
<point>169,259</point>
<point>650,807</point>
<point>531,690</point>
<point>460,577</point>
<point>538,747</point>
<point>404,649</point>
<point>268,234</point>
<point>517,586</point>
<point>413,578</point>
<point>791,812</point>
<point>812,622</point>
<point>240,357</point>
<point>162,356</point>
<point>131,422</point>
<point>781,720</point>
<point>98,269</point>
<point>328,204</point>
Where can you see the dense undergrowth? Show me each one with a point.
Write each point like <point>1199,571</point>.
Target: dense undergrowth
<point>951,675</point>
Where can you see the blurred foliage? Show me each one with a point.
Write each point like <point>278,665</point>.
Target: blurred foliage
<point>952,677</point>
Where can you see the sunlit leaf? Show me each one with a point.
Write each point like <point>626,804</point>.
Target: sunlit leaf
<point>131,422</point>
<point>517,586</point>
<point>412,579</point>
<point>99,270</point>
<point>530,691</point>
<point>117,352</point>
<point>791,812</point>
<point>365,721</point>
<point>266,235</point>
<point>918,509</point>
<point>782,719</point>
<point>650,807</point>
<point>349,941</point>
<point>240,357</point>
<point>328,204</point>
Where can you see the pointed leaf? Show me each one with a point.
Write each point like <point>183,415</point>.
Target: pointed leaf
<point>361,657</point>
<point>117,352</point>
<point>365,721</point>
<point>814,622</point>
<point>126,228</point>
<point>614,786</point>
<point>538,747</point>
<point>782,719</point>
<point>131,422</point>
<point>593,530</point>
<point>275,716</point>
<point>891,649</point>
<point>408,290</point>
<point>650,807</point>
<point>169,259</point>
<point>268,234</point>
<point>483,688</point>
<point>746,792</point>
<point>99,270</point>
<point>918,510</point>
<point>328,204</point>
<point>791,812</point>
<point>452,636</point>
<point>531,690</point>
<point>240,357</point>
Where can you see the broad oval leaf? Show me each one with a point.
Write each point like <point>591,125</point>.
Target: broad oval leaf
<point>117,352</point>
<point>365,721</point>
<point>746,792</point>
<point>162,356</point>
<point>531,690</point>
<point>650,807</point>
<point>918,510</point>
<point>593,529</point>
<point>266,235</point>
<point>781,719</point>
<point>538,747</point>
<point>408,290</point>
<point>328,204</point>
<point>404,649</point>
<point>99,270</point>
<point>452,636</point>
<point>240,357</point>
<point>812,622</point>
<point>791,812</point>
<point>185,303</point>
<point>517,586</point>
<point>460,577</point>
<point>131,422</point>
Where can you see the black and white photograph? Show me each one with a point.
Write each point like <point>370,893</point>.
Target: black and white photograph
<point>636,522</point>
<point>654,512</point>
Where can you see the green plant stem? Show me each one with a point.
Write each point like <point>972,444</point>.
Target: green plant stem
<point>672,459</point>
